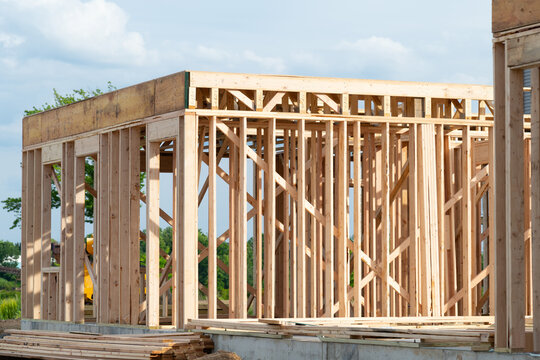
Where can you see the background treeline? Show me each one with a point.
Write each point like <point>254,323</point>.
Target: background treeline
<point>165,243</point>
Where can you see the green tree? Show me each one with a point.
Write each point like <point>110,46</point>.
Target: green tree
<point>165,243</point>
<point>69,98</point>
<point>13,204</point>
<point>9,253</point>
<point>222,281</point>
<point>165,239</point>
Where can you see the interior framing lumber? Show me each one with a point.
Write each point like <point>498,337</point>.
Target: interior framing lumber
<point>368,198</point>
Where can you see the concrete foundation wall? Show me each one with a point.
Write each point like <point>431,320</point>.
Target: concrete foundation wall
<point>314,349</point>
<point>48,325</point>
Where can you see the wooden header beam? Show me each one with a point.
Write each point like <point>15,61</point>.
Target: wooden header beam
<point>201,79</point>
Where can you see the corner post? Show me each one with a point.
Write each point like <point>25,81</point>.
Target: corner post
<point>515,254</point>
<point>499,181</point>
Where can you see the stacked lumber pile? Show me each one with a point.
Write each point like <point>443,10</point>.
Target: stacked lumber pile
<point>61,345</point>
<point>474,333</point>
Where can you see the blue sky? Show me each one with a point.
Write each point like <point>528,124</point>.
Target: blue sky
<point>67,44</point>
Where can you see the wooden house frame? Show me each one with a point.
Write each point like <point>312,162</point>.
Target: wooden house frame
<point>402,198</point>
<point>376,198</point>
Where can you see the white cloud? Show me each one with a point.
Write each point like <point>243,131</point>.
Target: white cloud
<point>381,57</point>
<point>376,51</point>
<point>239,59</point>
<point>95,30</point>
<point>273,63</point>
<point>211,54</point>
<point>381,46</point>
<point>9,62</point>
<point>10,40</point>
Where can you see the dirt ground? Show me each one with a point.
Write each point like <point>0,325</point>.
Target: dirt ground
<point>9,324</point>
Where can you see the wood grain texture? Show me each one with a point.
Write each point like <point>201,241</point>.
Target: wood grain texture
<point>513,14</point>
<point>154,97</point>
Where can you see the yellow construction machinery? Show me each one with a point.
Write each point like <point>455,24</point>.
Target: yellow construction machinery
<point>88,286</point>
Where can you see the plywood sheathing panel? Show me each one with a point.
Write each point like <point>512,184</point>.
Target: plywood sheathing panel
<point>80,116</point>
<point>32,133</point>
<point>169,93</point>
<point>150,98</point>
<point>135,102</point>
<point>508,15</point>
<point>106,108</point>
<point>523,50</point>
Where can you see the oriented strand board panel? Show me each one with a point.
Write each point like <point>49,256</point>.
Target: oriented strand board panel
<point>150,98</point>
<point>49,126</point>
<point>523,51</point>
<point>508,15</point>
<point>32,129</point>
<point>170,93</point>
<point>106,108</point>
<point>75,118</point>
<point>135,102</point>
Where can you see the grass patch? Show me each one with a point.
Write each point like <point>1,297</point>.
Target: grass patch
<point>10,308</point>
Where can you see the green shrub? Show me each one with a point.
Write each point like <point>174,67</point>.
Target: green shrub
<point>5,294</point>
<point>7,285</point>
<point>10,308</point>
